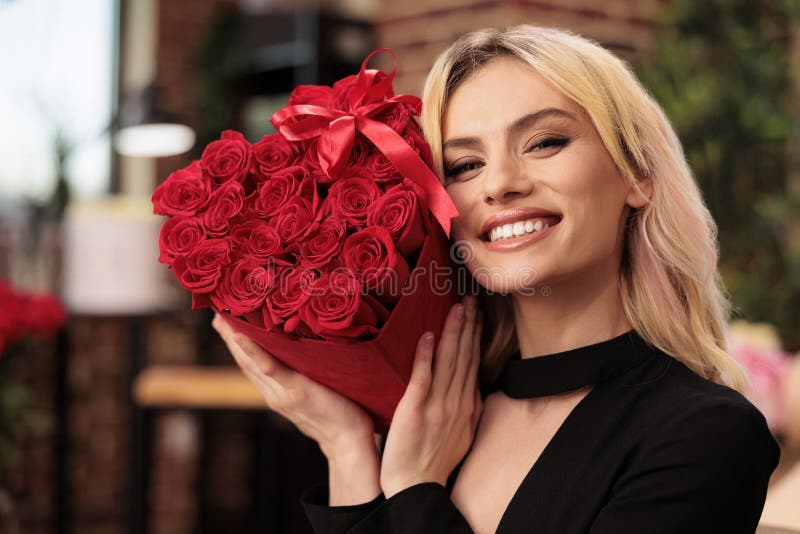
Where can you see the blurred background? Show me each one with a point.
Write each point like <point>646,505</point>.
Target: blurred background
<point>120,409</point>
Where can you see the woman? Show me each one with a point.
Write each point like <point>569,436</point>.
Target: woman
<point>604,313</point>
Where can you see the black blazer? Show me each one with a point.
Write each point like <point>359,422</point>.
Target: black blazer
<point>658,449</point>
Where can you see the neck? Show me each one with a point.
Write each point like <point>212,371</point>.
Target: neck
<point>574,313</point>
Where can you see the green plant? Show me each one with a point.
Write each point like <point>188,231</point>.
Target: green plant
<point>721,69</point>
<point>18,417</point>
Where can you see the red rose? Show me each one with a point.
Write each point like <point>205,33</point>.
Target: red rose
<point>184,192</point>
<point>395,116</point>
<point>344,98</point>
<point>199,271</point>
<point>314,95</point>
<point>36,313</point>
<point>401,213</point>
<point>272,154</point>
<point>336,308</point>
<point>380,168</point>
<point>48,314</point>
<point>350,198</point>
<point>292,289</point>
<point>371,256</point>
<point>23,313</point>
<point>178,237</point>
<point>244,287</point>
<point>257,240</point>
<point>274,193</point>
<point>225,204</point>
<point>324,242</point>
<point>413,136</point>
<point>227,158</point>
<point>294,219</point>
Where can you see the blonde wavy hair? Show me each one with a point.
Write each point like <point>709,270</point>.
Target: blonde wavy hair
<point>671,288</point>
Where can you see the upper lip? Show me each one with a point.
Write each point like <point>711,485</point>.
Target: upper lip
<point>514,215</point>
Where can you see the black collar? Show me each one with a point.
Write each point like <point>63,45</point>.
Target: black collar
<point>572,369</point>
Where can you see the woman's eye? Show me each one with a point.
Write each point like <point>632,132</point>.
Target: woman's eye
<point>455,170</point>
<point>550,142</point>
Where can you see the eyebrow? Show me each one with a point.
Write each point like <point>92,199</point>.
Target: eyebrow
<point>526,121</point>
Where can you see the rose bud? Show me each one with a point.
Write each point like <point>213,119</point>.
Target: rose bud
<point>178,237</point>
<point>294,219</point>
<point>272,194</point>
<point>413,136</point>
<point>371,256</point>
<point>258,240</point>
<point>380,168</point>
<point>271,154</point>
<point>225,204</point>
<point>350,198</point>
<point>395,116</point>
<point>244,287</point>
<point>400,212</point>
<point>323,243</point>
<point>184,192</point>
<point>292,289</point>
<point>227,158</point>
<point>200,270</point>
<point>336,308</point>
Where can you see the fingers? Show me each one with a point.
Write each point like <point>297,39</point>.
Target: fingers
<point>475,357</point>
<point>421,374</point>
<point>465,352</point>
<point>447,351</point>
<point>265,362</point>
<point>250,357</point>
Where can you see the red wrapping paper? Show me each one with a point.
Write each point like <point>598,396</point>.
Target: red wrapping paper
<point>244,217</point>
<point>374,373</point>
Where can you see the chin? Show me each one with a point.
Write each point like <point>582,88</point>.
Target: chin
<point>517,276</point>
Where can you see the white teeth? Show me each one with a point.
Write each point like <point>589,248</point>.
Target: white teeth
<point>516,229</point>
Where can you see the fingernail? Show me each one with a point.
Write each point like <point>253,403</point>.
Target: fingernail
<point>459,311</point>
<point>427,338</point>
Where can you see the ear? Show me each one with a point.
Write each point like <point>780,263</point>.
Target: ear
<point>634,199</point>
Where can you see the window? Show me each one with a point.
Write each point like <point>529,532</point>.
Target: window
<point>57,65</point>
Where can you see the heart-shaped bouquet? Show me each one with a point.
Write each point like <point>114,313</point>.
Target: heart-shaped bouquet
<point>326,242</point>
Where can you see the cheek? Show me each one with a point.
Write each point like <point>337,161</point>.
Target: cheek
<point>461,225</point>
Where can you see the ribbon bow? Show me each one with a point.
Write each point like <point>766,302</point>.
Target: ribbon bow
<point>336,130</point>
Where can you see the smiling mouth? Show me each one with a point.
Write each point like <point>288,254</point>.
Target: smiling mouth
<point>510,231</point>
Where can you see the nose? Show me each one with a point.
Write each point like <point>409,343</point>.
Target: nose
<point>507,181</point>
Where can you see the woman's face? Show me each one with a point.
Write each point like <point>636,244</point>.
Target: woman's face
<point>514,144</point>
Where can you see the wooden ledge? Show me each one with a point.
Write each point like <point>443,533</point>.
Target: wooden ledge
<point>195,386</point>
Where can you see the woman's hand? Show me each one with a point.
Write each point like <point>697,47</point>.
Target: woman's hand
<point>344,431</point>
<point>435,421</point>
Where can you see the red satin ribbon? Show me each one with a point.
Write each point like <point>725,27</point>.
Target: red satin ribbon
<point>336,130</point>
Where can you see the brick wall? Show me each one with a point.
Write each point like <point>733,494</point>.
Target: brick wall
<point>99,436</point>
<point>182,25</point>
<point>418,30</point>
<point>98,424</point>
<point>30,484</point>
